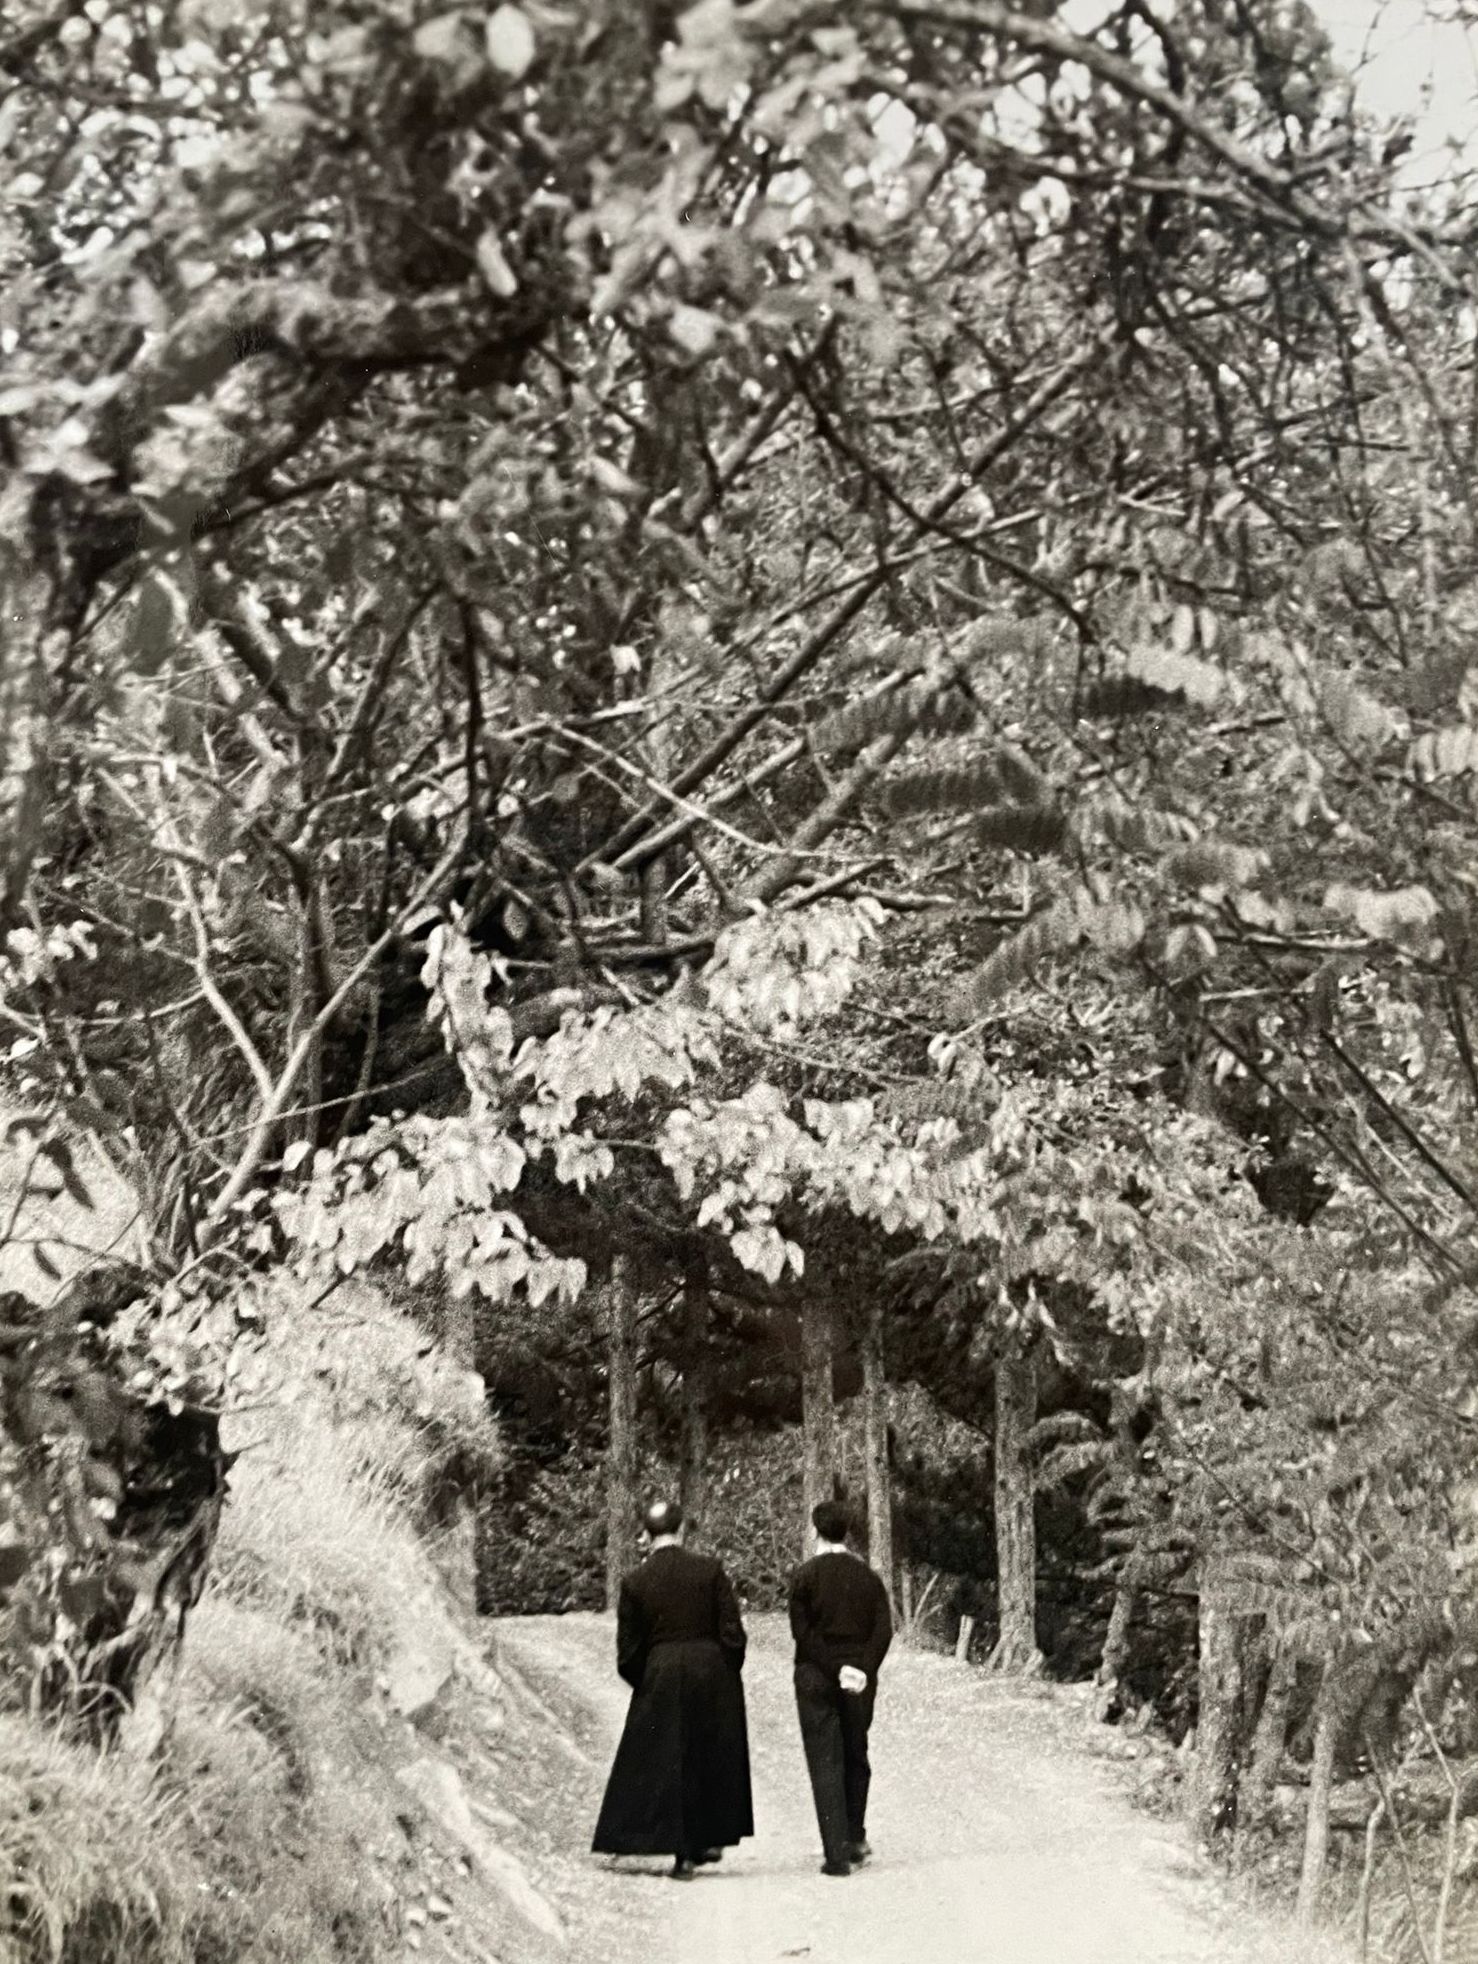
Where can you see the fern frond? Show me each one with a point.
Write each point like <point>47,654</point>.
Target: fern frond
<point>1210,863</point>
<point>1005,776</point>
<point>1048,933</point>
<point>1118,697</point>
<point>1030,829</point>
<point>1154,677</point>
<point>996,638</point>
<point>1131,828</point>
<point>860,722</point>
<point>943,712</point>
<point>1064,1463</point>
<point>964,789</point>
<point>939,1098</point>
<point>1157,1567</point>
<point>1445,753</point>
<point>930,704</point>
<point>1061,1428</point>
<point>1115,927</point>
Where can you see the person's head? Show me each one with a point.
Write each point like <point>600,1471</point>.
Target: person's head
<point>832,1523</point>
<point>663,1521</point>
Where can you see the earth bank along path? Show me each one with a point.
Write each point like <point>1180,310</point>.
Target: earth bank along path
<point>996,1839</point>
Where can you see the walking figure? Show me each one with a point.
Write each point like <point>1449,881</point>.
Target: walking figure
<point>842,1625</point>
<point>679,1784</point>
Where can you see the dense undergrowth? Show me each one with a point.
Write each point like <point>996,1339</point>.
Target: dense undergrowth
<point>272,1826</point>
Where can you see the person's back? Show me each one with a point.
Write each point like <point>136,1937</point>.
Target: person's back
<point>679,1784</point>
<point>842,1623</point>
<point>839,1613</point>
<point>683,1598</point>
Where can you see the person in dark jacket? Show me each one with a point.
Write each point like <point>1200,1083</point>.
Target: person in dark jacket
<point>842,1624</point>
<point>679,1784</point>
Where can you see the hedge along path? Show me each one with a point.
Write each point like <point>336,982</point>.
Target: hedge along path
<point>995,1838</point>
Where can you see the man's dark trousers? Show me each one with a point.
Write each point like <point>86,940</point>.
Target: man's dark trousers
<point>834,1727</point>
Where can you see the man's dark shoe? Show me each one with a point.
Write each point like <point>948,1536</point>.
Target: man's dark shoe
<point>682,1870</point>
<point>859,1852</point>
<point>836,1868</point>
<point>710,1855</point>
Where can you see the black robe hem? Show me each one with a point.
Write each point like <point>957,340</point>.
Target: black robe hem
<point>660,1845</point>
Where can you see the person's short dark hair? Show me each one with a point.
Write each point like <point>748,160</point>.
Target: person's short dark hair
<point>831,1520</point>
<point>662,1517</point>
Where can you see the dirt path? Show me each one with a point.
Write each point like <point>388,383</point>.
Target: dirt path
<point>996,1839</point>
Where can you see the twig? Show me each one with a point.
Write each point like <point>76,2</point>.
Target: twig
<point>1402,1850</point>
<point>1457,1789</point>
<point>225,1014</point>
<point>1372,1827</point>
<point>825,819</point>
<point>1402,1124</point>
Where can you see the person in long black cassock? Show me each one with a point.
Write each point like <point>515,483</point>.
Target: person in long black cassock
<point>842,1623</point>
<point>679,1784</point>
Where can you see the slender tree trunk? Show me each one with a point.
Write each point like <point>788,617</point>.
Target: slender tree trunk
<point>1403,1851</point>
<point>33,648</point>
<point>875,1449</point>
<point>652,901</point>
<point>1450,1849</point>
<point>1268,1739</point>
<point>1221,1698</point>
<point>1367,1872</point>
<point>1116,1637</point>
<point>818,1410</point>
<point>457,1552</point>
<point>694,1475</point>
<point>1321,1780</point>
<point>621,1452</point>
<point>1015,1521</point>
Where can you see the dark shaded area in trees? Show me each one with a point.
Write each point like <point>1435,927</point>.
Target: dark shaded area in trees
<point>542,1532</point>
<point>112,1506</point>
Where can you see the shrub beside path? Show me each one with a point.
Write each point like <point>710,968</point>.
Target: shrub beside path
<point>996,1838</point>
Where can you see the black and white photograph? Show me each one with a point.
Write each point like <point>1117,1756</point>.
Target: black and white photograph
<point>739,982</point>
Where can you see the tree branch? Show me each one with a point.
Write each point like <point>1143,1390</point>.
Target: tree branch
<point>276,1103</point>
<point>819,643</point>
<point>827,816</point>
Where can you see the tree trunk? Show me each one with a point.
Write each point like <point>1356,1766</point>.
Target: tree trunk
<point>621,1452</point>
<point>1015,1522</point>
<point>318,961</point>
<point>1116,1637</point>
<point>875,1448</point>
<point>1221,1699</point>
<point>1268,1739</point>
<point>694,1470</point>
<point>818,1409</point>
<point>1367,1870</point>
<point>1461,1788</point>
<point>32,649</point>
<point>1321,1781</point>
<point>456,1549</point>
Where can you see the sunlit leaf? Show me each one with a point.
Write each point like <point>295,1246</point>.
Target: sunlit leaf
<point>510,42</point>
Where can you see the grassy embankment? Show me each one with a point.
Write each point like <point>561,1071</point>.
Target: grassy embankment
<point>336,1784</point>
